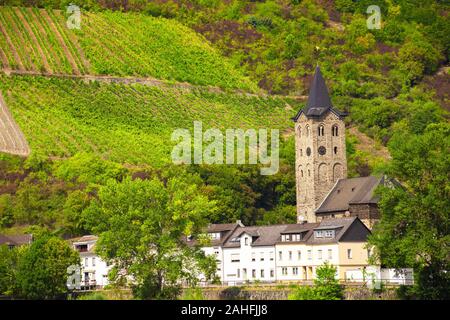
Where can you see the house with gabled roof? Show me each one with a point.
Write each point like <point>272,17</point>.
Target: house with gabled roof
<point>287,252</point>
<point>94,270</point>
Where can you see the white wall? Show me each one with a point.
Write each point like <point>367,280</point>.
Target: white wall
<point>307,263</point>
<point>242,271</point>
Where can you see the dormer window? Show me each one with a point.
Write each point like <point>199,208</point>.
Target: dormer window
<point>246,241</point>
<point>214,235</point>
<point>324,234</point>
<point>82,247</point>
<point>291,237</point>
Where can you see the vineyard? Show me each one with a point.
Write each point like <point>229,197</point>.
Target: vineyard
<point>127,123</point>
<point>12,139</point>
<point>109,43</point>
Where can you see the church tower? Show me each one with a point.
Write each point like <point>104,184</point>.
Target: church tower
<point>320,149</point>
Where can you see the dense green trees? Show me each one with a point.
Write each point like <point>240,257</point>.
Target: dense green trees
<point>142,224</point>
<point>37,271</point>
<point>326,286</point>
<point>415,227</point>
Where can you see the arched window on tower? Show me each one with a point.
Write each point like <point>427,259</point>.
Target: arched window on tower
<point>307,131</point>
<point>321,130</point>
<point>335,150</point>
<point>334,131</point>
<point>299,132</point>
<point>301,172</point>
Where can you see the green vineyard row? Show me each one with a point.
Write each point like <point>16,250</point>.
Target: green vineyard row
<point>127,123</point>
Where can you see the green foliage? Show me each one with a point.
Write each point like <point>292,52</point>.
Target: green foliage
<point>42,270</point>
<point>414,229</point>
<point>88,168</point>
<point>92,296</point>
<point>124,123</point>
<point>326,287</point>
<point>9,258</point>
<point>193,294</point>
<point>142,223</point>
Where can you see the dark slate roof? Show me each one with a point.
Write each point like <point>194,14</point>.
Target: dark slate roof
<point>350,191</point>
<point>16,240</point>
<point>271,235</point>
<point>299,228</point>
<point>263,235</point>
<point>225,229</point>
<point>319,102</point>
<point>340,226</point>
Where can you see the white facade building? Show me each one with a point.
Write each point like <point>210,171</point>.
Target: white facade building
<point>94,270</point>
<point>292,253</point>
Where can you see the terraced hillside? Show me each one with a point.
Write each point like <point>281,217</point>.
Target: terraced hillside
<point>38,40</point>
<point>127,123</point>
<point>12,139</point>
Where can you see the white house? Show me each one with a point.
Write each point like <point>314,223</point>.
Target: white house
<point>94,270</point>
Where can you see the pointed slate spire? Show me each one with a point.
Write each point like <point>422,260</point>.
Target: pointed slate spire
<point>319,101</point>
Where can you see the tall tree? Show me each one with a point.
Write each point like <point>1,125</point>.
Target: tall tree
<point>42,269</point>
<point>142,224</point>
<point>414,227</point>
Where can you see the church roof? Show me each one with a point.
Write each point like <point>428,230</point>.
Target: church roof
<point>319,101</point>
<point>350,191</point>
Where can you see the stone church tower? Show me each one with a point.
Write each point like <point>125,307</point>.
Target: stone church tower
<point>320,149</point>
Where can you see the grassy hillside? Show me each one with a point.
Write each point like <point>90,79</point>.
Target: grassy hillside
<point>38,40</point>
<point>126,123</point>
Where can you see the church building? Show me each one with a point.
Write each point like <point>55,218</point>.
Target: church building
<point>323,189</point>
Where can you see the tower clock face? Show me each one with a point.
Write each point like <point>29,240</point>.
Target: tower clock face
<point>322,150</point>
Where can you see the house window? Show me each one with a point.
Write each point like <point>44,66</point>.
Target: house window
<point>271,255</point>
<point>235,257</point>
<point>290,255</point>
<point>262,273</point>
<point>93,261</point>
<point>254,273</point>
<point>261,258</point>
<point>324,234</point>
<point>86,262</point>
<point>214,235</point>
<point>253,257</point>
<point>349,253</point>
<point>238,273</point>
<point>334,131</point>
<point>321,130</point>
<point>299,255</point>
<point>284,271</point>
<point>330,254</point>
<point>309,255</point>
<point>295,271</point>
<point>272,273</point>
<point>319,254</point>
<point>244,271</point>
<point>280,255</point>
<point>246,241</point>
